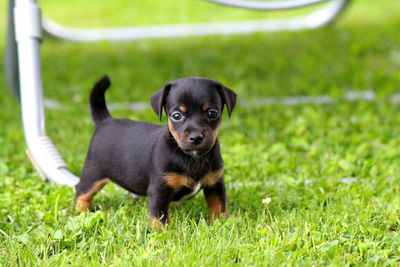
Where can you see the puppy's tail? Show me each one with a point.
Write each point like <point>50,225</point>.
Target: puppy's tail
<point>98,108</point>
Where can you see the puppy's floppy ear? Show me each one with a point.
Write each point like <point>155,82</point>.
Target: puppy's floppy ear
<point>228,98</point>
<point>158,99</point>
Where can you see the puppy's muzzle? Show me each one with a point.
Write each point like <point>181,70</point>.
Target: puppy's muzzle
<point>195,138</point>
<point>196,143</point>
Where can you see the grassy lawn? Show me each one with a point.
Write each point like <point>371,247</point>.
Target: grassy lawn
<point>331,170</point>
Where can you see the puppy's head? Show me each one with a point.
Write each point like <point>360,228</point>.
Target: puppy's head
<point>194,106</point>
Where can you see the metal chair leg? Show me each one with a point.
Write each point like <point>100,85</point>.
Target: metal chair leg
<point>43,153</point>
<point>11,56</point>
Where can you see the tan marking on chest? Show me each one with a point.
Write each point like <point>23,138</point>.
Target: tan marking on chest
<point>176,181</point>
<point>212,178</point>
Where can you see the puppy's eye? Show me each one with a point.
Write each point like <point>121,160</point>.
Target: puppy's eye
<point>212,114</point>
<point>176,116</point>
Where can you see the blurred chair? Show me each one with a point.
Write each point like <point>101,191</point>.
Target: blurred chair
<point>318,18</point>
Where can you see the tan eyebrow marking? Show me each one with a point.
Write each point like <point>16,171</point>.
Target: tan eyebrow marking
<point>205,106</point>
<point>182,108</point>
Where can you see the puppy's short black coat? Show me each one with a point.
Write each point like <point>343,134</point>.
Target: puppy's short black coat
<point>164,162</point>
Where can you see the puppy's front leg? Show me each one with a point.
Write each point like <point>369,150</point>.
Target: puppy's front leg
<point>158,206</point>
<point>216,199</point>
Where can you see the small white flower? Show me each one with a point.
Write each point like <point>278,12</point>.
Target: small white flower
<point>266,201</point>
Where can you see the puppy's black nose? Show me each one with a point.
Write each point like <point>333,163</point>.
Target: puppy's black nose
<point>195,138</point>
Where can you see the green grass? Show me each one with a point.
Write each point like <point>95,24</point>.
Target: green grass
<point>296,155</point>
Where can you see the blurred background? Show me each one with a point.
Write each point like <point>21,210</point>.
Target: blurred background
<point>316,129</point>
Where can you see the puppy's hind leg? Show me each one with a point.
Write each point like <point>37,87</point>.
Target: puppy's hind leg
<point>91,182</point>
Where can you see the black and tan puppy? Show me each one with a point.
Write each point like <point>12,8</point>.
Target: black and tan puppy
<point>165,163</point>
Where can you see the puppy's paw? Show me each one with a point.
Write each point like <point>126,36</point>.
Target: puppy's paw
<point>82,205</point>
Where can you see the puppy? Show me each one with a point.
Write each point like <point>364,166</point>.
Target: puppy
<point>163,162</point>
